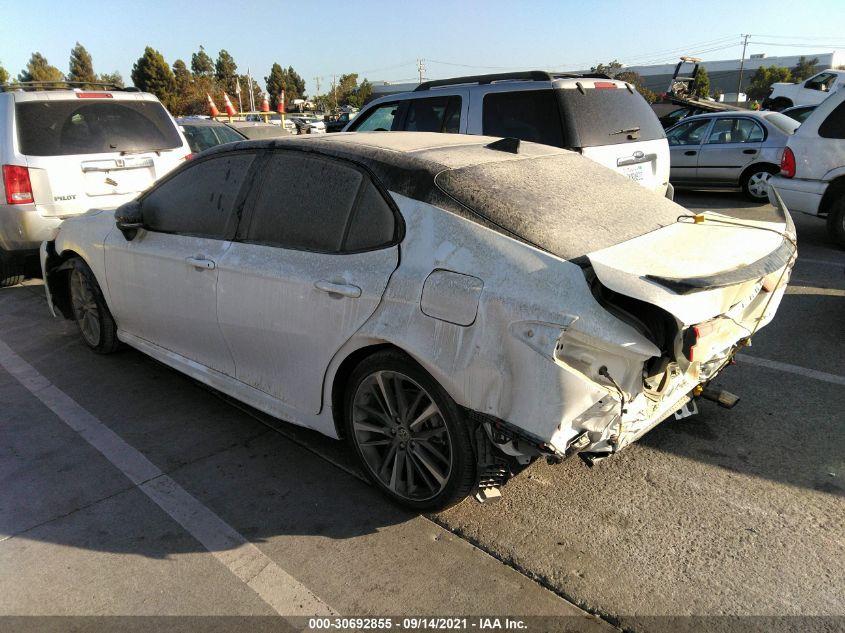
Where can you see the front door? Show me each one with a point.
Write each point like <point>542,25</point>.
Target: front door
<point>305,274</point>
<point>732,144</point>
<point>163,283</point>
<point>684,147</point>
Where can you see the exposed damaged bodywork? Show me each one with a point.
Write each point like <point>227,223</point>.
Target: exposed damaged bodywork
<point>564,309</point>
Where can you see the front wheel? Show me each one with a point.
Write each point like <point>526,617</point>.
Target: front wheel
<point>755,183</point>
<point>836,222</point>
<point>410,436</point>
<point>92,315</point>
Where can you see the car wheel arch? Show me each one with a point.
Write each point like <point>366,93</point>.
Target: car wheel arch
<point>58,280</point>
<point>835,190</point>
<point>339,379</point>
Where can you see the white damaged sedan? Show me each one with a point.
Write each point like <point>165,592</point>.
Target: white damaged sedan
<point>454,306</point>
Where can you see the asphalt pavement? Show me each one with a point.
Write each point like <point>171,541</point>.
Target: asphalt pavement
<point>128,489</point>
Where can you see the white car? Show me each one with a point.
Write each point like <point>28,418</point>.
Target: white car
<point>809,92</point>
<point>812,170</point>
<point>455,306</point>
<point>606,120</point>
<point>65,151</point>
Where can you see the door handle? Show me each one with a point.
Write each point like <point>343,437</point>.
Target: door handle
<point>201,262</point>
<point>332,288</point>
<point>749,151</point>
<point>690,152</point>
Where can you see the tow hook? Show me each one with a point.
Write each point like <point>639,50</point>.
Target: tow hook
<point>723,398</point>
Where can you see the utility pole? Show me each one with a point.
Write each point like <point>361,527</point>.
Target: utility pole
<point>421,68</point>
<point>317,79</point>
<point>334,91</point>
<point>741,66</point>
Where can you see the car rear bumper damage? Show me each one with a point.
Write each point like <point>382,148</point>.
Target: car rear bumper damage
<point>798,194</point>
<point>23,228</point>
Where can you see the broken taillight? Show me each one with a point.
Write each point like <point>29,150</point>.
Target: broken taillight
<point>17,184</point>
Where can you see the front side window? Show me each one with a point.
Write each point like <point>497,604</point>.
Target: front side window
<point>735,131</point>
<point>690,133</point>
<point>380,119</point>
<point>61,128</point>
<point>199,200</point>
<point>529,115</point>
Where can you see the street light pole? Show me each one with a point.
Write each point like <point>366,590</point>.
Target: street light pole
<point>741,66</point>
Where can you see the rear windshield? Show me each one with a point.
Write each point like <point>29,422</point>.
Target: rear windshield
<point>604,117</point>
<point>784,123</point>
<point>60,128</point>
<point>567,118</point>
<point>563,203</point>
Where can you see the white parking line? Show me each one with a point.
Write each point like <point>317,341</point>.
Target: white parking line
<point>792,369</point>
<point>281,591</point>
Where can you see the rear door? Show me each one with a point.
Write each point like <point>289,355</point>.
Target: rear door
<point>94,150</point>
<point>685,140</point>
<point>732,144</point>
<point>163,283</point>
<point>309,268</point>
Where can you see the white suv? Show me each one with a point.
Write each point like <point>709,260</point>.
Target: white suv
<point>606,120</point>
<point>812,176</point>
<point>66,151</point>
<point>810,92</point>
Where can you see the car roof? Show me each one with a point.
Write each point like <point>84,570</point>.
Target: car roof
<point>69,95</point>
<point>430,151</point>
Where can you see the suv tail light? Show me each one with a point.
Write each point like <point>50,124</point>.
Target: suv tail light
<point>16,182</point>
<point>787,164</point>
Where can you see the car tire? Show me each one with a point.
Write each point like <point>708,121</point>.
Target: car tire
<point>92,315</point>
<point>414,445</point>
<point>836,222</point>
<point>754,182</point>
<point>11,272</point>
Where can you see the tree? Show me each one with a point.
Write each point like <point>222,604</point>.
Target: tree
<point>81,66</point>
<point>636,80</point>
<point>226,71</point>
<point>764,77</point>
<point>114,78</point>
<point>288,80</point>
<point>275,83</point>
<point>362,95</point>
<point>805,68</point>
<point>39,69</point>
<point>182,75</point>
<point>346,85</point>
<point>201,64</point>
<point>152,74</point>
<point>701,85</point>
<point>611,70</point>
<point>4,75</point>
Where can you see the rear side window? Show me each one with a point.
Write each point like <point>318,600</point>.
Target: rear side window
<point>834,125</point>
<point>604,116</point>
<point>435,114</point>
<point>304,203</point>
<point>381,118</point>
<point>529,115</point>
<point>736,131</point>
<point>200,200</point>
<point>60,128</point>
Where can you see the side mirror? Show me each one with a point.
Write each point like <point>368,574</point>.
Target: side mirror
<point>129,219</point>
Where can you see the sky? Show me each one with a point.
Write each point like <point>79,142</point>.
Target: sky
<point>383,40</point>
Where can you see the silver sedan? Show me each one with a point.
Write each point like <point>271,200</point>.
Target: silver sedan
<point>729,149</point>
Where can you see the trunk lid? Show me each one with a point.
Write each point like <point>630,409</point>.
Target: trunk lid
<point>700,270</point>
